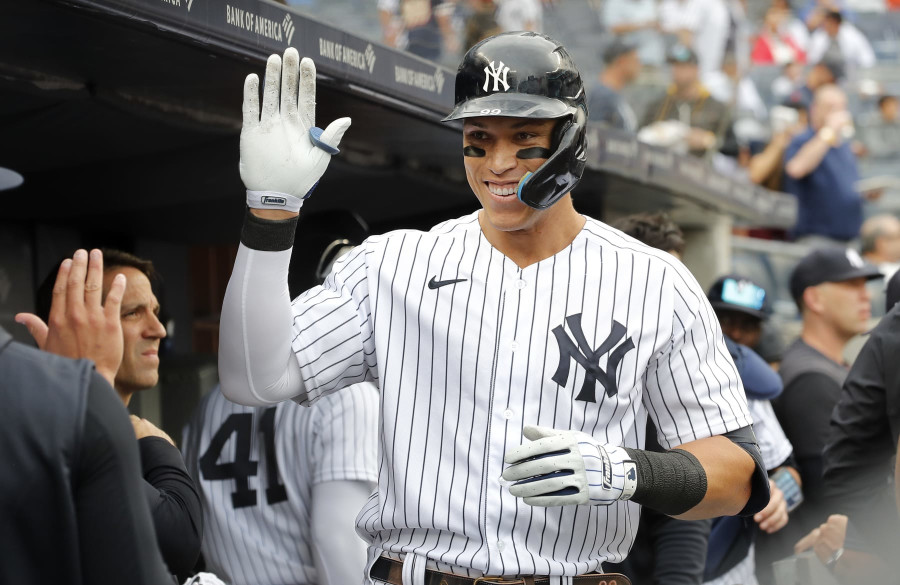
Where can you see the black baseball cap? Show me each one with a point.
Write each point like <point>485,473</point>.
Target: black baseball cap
<point>618,47</point>
<point>737,293</point>
<point>681,54</point>
<point>829,265</point>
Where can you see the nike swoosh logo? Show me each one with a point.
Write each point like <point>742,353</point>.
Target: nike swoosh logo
<point>433,283</point>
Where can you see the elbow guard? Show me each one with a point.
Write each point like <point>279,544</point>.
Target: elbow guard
<point>745,438</point>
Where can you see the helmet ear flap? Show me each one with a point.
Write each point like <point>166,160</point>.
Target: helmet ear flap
<point>561,172</point>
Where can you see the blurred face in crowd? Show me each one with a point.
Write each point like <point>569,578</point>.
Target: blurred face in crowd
<point>630,65</point>
<point>888,243</point>
<point>741,327</point>
<point>828,100</point>
<point>890,109</point>
<point>831,26</point>
<point>493,170</point>
<point>818,76</point>
<point>845,306</point>
<point>141,331</point>
<point>684,75</point>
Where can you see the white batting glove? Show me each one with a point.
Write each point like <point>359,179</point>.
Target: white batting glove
<point>283,154</point>
<point>561,468</point>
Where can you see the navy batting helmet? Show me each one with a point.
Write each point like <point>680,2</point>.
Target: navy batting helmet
<point>529,75</point>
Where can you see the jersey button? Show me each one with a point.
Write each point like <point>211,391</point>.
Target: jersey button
<point>514,346</point>
<point>501,545</point>
<point>520,284</point>
<point>508,414</point>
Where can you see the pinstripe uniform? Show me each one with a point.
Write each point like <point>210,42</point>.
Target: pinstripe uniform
<point>467,348</point>
<point>263,538</point>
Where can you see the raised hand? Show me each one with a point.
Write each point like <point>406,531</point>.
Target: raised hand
<point>80,324</point>
<point>282,150</point>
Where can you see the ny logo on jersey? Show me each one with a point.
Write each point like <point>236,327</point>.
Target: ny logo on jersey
<point>495,72</point>
<point>589,359</point>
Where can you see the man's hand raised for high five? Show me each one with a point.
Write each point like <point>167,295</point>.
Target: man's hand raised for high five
<point>80,324</point>
<point>283,153</point>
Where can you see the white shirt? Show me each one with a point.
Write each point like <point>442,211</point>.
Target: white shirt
<point>708,20</point>
<point>855,49</point>
<point>651,50</point>
<point>465,363</point>
<point>514,15</point>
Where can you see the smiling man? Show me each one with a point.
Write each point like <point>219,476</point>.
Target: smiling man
<point>518,349</point>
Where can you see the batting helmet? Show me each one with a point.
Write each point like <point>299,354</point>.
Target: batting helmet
<point>529,75</point>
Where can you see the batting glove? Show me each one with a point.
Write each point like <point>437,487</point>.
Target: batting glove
<point>283,153</point>
<point>561,468</point>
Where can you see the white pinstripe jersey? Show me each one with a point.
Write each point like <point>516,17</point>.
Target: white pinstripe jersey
<point>773,443</point>
<point>589,339</point>
<point>262,537</point>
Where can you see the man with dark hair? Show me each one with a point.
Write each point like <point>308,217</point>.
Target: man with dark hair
<point>70,494</point>
<point>605,102</point>
<point>173,499</point>
<point>882,134</point>
<point>655,230</point>
<point>517,362</point>
<point>840,40</point>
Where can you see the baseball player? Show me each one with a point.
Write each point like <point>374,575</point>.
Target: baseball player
<point>282,484</point>
<point>518,349</point>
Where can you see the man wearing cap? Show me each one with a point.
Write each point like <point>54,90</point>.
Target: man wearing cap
<point>738,552</point>
<point>829,287</point>
<point>688,101</point>
<point>605,103</point>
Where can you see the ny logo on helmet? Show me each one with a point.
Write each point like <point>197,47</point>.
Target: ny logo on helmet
<point>495,72</point>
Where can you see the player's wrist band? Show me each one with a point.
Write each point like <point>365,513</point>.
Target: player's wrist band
<point>672,482</point>
<point>268,235</point>
<point>272,200</point>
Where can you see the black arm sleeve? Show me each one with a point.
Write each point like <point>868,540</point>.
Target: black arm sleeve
<point>174,504</point>
<point>116,535</point>
<point>680,547</point>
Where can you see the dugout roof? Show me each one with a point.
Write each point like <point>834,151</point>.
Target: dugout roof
<point>131,109</point>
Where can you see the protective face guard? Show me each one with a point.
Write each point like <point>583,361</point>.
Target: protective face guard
<point>561,172</point>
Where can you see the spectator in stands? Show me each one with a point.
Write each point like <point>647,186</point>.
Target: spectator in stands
<point>70,495</point>
<point>686,100</point>
<point>773,46</point>
<point>515,15</point>
<point>789,82</point>
<point>423,27</point>
<point>702,25</point>
<point>789,25</point>
<point>741,307</point>
<point>665,551</point>
<point>766,165</point>
<point>605,101</point>
<point>813,12</point>
<point>820,170</point>
<point>637,23</point>
<point>170,491</point>
<point>481,21</point>
<point>838,39</point>
<point>880,243</point>
<point>829,287</point>
<point>882,137</point>
<point>730,86</point>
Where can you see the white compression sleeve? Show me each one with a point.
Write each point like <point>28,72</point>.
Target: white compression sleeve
<point>339,553</point>
<point>256,363</point>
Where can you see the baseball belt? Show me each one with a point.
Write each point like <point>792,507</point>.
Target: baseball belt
<point>391,571</point>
